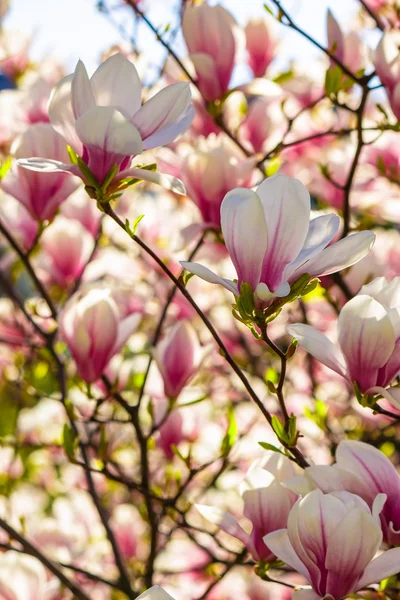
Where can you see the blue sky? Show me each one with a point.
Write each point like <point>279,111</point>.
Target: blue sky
<point>72,29</point>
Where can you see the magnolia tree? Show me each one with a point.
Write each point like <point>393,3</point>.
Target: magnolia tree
<point>203,404</point>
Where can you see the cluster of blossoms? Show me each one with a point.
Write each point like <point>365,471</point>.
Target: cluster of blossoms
<point>136,398</point>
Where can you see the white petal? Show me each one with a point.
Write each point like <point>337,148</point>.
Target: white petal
<point>155,593</point>
<point>392,395</point>
<point>340,255</point>
<point>209,276</point>
<point>166,181</point>
<point>225,521</point>
<point>46,165</point>
<point>61,114</point>
<point>126,328</point>
<point>245,233</point>
<point>106,128</point>
<point>116,83</point>
<point>286,204</point>
<point>384,566</point>
<point>319,346</point>
<point>366,337</point>
<point>81,91</point>
<point>278,542</point>
<point>333,479</point>
<point>321,231</point>
<point>166,108</point>
<point>170,133</point>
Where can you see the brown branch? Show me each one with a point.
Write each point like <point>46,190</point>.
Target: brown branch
<point>29,548</point>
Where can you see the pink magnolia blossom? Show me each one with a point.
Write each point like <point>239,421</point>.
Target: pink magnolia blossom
<point>41,196</point>
<point>82,208</point>
<point>387,65</point>
<point>208,33</point>
<point>211,171</point>
<point>23,577</point>
<point>103,120</point>
<point>347,48</point>
<point>67,247</point>
<point>261,43</point>
<point>331,539</point>
<point>369,340</point>
<point>267,504</point>
<point>178,357</point>
<point>18,221</point>
<point>366,471</point>
<point>271,240</point>
<point>94,331</point>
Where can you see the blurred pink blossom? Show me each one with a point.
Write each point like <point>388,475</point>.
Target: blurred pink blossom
<point>208,33</point>
<point>94,331</point>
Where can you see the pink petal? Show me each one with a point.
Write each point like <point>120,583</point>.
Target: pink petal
<point>366,337</point>
<point>382,567</point>
<point>164,112</point>
<point>245,233</point>
<point>286,204</point>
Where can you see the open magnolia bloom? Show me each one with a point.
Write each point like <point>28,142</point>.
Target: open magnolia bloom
<point>369,340</point>
<point>366,471</point>
<point>272,242</point>
<point>332,540</point>
<point>103,120</point>
<point>266,503</point>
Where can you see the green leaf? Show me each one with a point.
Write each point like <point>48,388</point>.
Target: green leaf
<point>292,430</point>
<point>333,78</point>
<point>279,429</point>
<point>268,446</point>
<point>179,454</point>
<point>70,442</point>
<point>109,177</point>
<point>87,173</point>
<point>267,8</point>
<point>73,157</point>
<point>136,223</point>
<point>284,77</point>
<point>231,434</point>
<point>5,166</point>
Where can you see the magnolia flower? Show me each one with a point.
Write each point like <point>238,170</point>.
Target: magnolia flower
<point>261,43</point>
<point>271,240</point>
<point>364,470</point>
<point>67,247</point>
<point>103,121</point>
<point>178,357</point>
<point>94,331</point>
<point>369,339</point>
<point>208,33</point>
<point>211,171</point>
<point>347,48</point>
<point>387,65</point>
<point>331,540</point>
<point>24,577</point>
<point>41,196</point>
<point>267,504</point>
